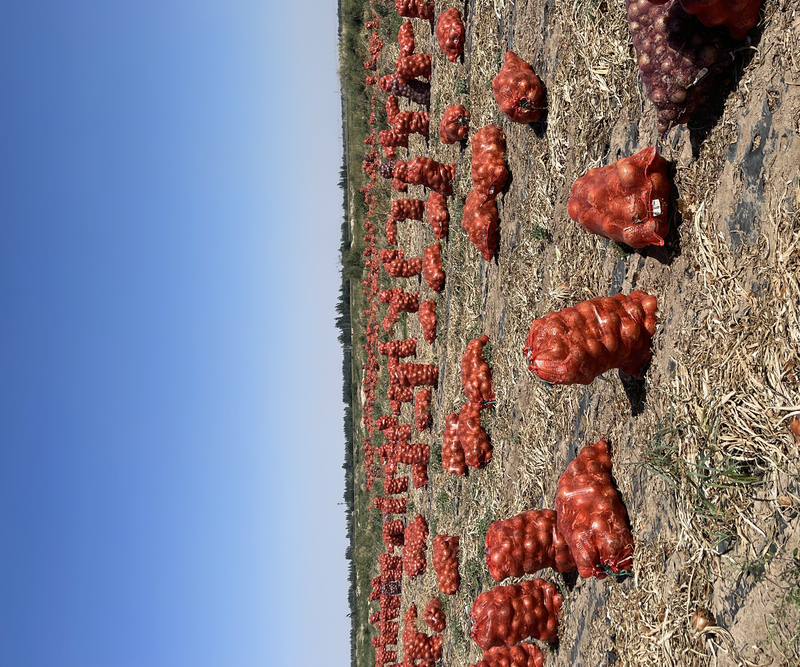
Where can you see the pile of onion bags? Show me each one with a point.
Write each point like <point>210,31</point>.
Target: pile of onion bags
<point>416,536</point>
<point>392,109</point>
<point>396,266</point>
<point>391,231</point>
<point>438,215</point>
<point>415,375</point>
<point>455,124</point>
<point>407,209</point>
<point>472,436</point>
<point>393,533</point>
<point>591,516</point>
<point>575,345</point>
<point>397,348</point>
<point>415,91</point>
<point>432,174</point>
<point>738,16</point>
<point>521,655</point>
<point>626,201</point>
<point>445,563</point>
<point>413,66</point>
<point>481,223</point>
<point>506,615</point>
<point>450,34</point>
<point>518,91</point>
<point>432,269</point>
<point>390,505</point>
<point>678,58</point>
<point>525,544</point>
<point>417,453</point>
<point>476,376</point>
<point>419,475</point>
<point>422,410</point>
<point>415,9</point>
<point>412,122</point>
<point>427,319</point>
<point>405,38</point>
<point>417,645</point>
<point>434,614</point>
<point>390,564</point>
<point>395,486</point>
<point>452,451</point>
<point>489,170</point>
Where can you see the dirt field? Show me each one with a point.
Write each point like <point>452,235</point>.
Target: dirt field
<point>703,455</point>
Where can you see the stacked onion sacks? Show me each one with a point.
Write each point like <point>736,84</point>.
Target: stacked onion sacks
<point>450,34</point>
<point>445,563</point>
<point>434,614</point>
<point>678,58</point>
<point>427,320</point>
<point>525,544</point>
<point>518,91</point>
<point>591,517</point>
<point>452,451</point>
<point>416,535</point>
<point>505,615</point>
<point>417,646</point>
<point>438,215</point>
<point>432,269</point>
<point>521,655</point>
<point>576,344</point>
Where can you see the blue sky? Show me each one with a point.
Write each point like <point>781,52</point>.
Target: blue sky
<point>170,413</point>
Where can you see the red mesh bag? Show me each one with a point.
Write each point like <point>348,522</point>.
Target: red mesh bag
<point>445,563</point>
<point>575,345</point>
<point>419,475</point>
<point>398,348</point>
<point>591,516</point>
<point>678,58</point>
<point>422,410</point>
<point>472,436</point>
<point>415,9</point>
<point>390,605</point>
<point>391,505</point>
<point>397,392</point>
<point>489,170</point>
<point>521,655</point>
<point>412,454</point>
<point>412,122</point>
<point>427,319</point>
<point>476,376</point>
<point>506,615</point>
<point>417,646</point>
<point>416,536</point>
<point>480,221</point>
<point>393,534</point>
<point>398,433</point>
<point>395,486</point>
<point>405,38</point>
<point>525,544</point>
<point>438,215</point>
<point>407,209</point>
<point>387,562</point>
<point>432,269</point>
<point>434,614</point>
<point>455,124</point>
<point>626,201</point>
<point>518,91</point>
<point>392,109</point>
<point>452,451</point>
<point>384,422</point>
<point>450,34</point>
<point>391,231</point>
<point>371,80</point>
<point>738,16</point>
<point>415,375</point>
<point>396,266</point>
<point>411,67</point>
<point>432,174</point>
<point>415,91</point>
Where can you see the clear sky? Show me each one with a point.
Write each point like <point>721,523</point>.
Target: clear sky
<point>170,381</point>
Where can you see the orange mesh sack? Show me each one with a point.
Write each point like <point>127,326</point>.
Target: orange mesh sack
<point>591,516</point>
<point>738,16</point>
<point>411,67</point>
<point>506,615</point>
<point>405,38</point>
<point>438,215</point>
<point>518,91</point>
<point>476,376</point>
<point>397,348</point>
<point>489,170</point>
<point>482,224</point>
<point>626,201</point>
<point>391,231</point>
<point>419,475</point>
<point>431,174</point>
<point>445,563</point>
<point>452,451</point>
<point>407,209</point>
<point>432,269</point>
<point>427,319</point>
<point>434,614</point>
<point>473,437</point>
<point>392,109</point>
<point>412,122</point>
<point>415,9</point>
<point>422,409</point>
<point>525,544</point>
<point>415,375</point>
<point>416,536</point>
<point>450,34</point>
<point>455,124</point>
<point>679,58</point>
<point>575,345</point>
<point>521,655</point>
<point>417,645</point>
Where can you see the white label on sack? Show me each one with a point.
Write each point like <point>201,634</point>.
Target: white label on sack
<point>656,207</point>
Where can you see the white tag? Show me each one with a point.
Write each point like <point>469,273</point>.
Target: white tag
<point>656,207</point>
